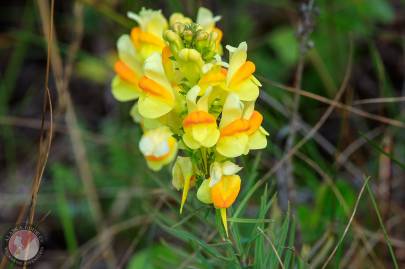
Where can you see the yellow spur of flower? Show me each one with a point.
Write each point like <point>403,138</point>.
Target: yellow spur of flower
<point>183,177</point>
<point>159,147</point>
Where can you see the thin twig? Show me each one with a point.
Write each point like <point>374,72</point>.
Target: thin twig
<point>305,28</point>
<point>316,127</point>
<point>79,149</point>
<point>45,141</point>
<point>380,100</point>
<point>304,128</point>
<point>336,104</point>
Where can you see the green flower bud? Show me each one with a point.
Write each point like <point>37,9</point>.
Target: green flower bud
<point>174,40</point>
<point>179,27</point>
<point>188,35</point>
<point>191,55</point>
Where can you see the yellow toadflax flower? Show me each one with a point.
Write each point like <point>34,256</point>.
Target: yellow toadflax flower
<point>190,99</point>
<point>240,128</point>
<point>147,38</point>
<point>159,147</point>
<point>200,127</point>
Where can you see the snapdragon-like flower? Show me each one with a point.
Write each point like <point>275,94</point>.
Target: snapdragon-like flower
<point>190,100</point>
<point>158,146</point>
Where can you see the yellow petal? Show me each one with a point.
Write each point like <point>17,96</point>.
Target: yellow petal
<point>154,90</point>
<point>190,141</point>
<point>182,168</point>
<point>215,173</point>
<point>204,192</point>
<point>243,73</point>
<point>123,90</point>
<point>232,146</point>
<point>200,132</point>
<point>229,168</point>
<point>258,140</point>
<point>247,90</point>
<point>153,69</point>
<point>152,107</point>
<point>232,110</point>
<point>150,21</point>
<point>211,139</point>
<point>156,163</point>
<point>128,54</point>
<point>236,59</point>
<point>206,19</point>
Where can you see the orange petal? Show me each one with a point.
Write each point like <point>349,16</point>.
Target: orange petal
<point>235,127</point>
<point>224,193</point>
<point>139,37</point>
<point>244,72</point>
<point>135,34</point>
<point>255,121</point>
<point>155,89</point>
<point>198,117</point>
<point>213,77</point>
<point>125,72</point>
<point>167,62</point>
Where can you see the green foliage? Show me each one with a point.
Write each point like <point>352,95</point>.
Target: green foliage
<point>127,189</point>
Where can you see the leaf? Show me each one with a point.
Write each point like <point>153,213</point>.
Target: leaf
<point>285,44</point>
<point>155,257</point>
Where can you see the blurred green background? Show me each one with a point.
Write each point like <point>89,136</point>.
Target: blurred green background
<point>100,207</point>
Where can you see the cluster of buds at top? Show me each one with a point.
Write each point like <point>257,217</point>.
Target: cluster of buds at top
<point>191,103</point>
<point>192,36</point>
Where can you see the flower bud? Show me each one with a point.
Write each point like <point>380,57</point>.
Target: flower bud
<point>178,17</point>
<point>188,35</point>
<point>191,55</point>
<point>201,35</point>
<point>179,27</point>
<point>174,40</point>
<point>201,40</point>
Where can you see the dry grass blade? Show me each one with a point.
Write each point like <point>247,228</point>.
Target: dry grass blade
<point>348,224</point>
<point>272,246</point>
<point>45,140</point>
<point>380,100</point>
<point>317,126</point>
<point>335,103</point>
<point>359,231</point>
<point>79,149</point>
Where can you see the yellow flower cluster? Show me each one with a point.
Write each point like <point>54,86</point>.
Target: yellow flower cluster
<point>190,100</point>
